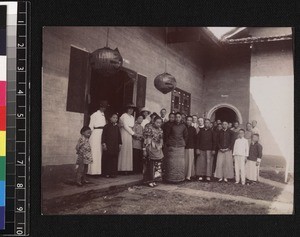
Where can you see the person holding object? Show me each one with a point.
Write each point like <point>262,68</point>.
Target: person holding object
<point>254,159</point>
<point>240,154</point>
<point>83,150</point>
<point>152,152</point>
<point>126,123</point>
<point>225,142</point>
<point>111,144</point>
<point>97,123</point>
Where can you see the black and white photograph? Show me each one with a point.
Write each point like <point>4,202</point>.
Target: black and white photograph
<point>167,120</point>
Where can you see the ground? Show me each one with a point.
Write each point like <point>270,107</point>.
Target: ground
<point>193,198</point>
<point>144,200</point>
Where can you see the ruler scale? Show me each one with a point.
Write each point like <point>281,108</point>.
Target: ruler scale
<point>17,166</point>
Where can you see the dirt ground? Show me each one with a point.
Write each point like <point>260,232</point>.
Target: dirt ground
<point>258,190</point>
<point>145,200</point>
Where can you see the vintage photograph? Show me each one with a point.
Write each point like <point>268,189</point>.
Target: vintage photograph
<point>167,120</point>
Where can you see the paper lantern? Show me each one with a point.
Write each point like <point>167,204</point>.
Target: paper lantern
<point>165,82</point>
<point>108,61</point>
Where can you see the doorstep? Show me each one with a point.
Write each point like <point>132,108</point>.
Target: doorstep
<point>67,192</point>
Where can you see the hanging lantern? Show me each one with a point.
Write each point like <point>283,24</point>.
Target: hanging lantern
<point>165,82</point>
<point>108,61</point>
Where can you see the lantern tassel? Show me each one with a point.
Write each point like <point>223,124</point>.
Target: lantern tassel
<point>107,33</point>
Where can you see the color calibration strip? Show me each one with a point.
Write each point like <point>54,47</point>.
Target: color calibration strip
<point>3,10</point>
<point>15,147</point>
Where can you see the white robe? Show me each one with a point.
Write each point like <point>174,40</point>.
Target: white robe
<point>97,120</point>
<point>125,162</point>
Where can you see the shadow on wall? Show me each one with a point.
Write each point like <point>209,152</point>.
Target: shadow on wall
<point>271,151</point>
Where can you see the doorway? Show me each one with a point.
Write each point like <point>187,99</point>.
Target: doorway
<point>116,89</point>
<point>226,114</point>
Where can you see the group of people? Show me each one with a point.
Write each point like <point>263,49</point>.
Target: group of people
<point>172,148</point>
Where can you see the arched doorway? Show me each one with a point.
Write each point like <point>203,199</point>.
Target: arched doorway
<point>226,112</point>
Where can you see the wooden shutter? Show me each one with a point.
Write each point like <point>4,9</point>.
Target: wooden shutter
<point>181,101</point>
<point>141,91</point>
<point>79,75</point>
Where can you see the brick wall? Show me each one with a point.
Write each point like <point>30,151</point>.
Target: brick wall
<point>229,75</point>
<point>144,51</point>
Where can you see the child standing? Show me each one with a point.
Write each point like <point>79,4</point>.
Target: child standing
<point>83,150</point>
<point>254,159</point>
<point>111,143</point>
<point>240,153</point>
<point>137,145</point>
<point>152,151</point>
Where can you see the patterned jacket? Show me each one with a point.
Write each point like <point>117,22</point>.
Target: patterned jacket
<point>84,152</point>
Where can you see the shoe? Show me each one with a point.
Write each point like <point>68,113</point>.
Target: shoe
<point>79,184</point>
<point>220,180</point>
<point>200,179</point>
<point>236,182</point>
<point>155,184</point>
<point>243,183</point>
<point>151,185</point>
<point>208,179</point>
<point>188,179</point>
<point>226,180</point>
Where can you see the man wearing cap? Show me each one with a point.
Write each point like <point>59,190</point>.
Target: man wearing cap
<point>146,114</point>
<point>97,123</point>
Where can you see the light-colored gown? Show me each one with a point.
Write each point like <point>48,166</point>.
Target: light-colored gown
<point>97,120</point>
<point>126,123</point>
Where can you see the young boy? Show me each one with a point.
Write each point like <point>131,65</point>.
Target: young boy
<point>240,153</point>
<point>254,159</point>
<point>111,144</point>
<point>83,150</point>
<point>137,145</point>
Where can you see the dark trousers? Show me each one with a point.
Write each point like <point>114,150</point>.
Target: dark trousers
<point>137,161</point>
<point>153,171</point>
<point>215,162</point>
<point>110,164</point>
<point>81,172</point>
